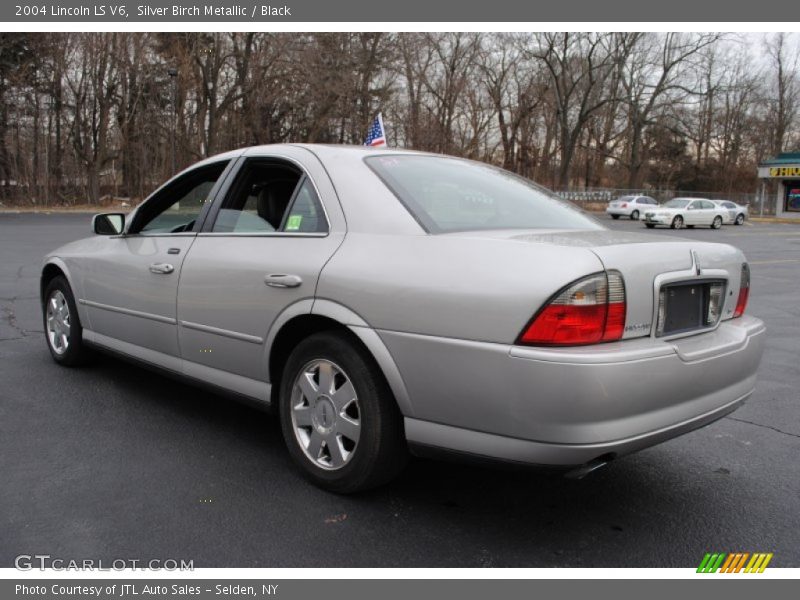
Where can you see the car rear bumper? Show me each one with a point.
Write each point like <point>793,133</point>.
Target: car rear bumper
<point>566,407</point>
<point>623,212</point>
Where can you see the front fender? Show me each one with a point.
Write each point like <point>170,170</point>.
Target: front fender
<point>74,282</point>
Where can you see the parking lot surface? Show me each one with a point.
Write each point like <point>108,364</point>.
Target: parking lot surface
<point>112,461</point>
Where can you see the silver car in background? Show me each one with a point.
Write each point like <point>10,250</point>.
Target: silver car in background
<point>630,206</point>
<point>384,301</point>
<point>735,214</point>
<point>685,212</point>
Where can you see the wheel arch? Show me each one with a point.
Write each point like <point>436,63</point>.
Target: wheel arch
<point>308,317</point>
<point>52,268</point>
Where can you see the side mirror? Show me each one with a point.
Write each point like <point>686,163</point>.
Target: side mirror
<point>108,223</point>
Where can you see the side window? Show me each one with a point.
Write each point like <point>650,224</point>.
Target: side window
<point>259,198</point>
<point>706,204</point>
<point>305,215</point>
<point>175,208</point>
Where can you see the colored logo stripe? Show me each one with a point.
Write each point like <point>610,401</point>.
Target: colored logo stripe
<point>734,563</point>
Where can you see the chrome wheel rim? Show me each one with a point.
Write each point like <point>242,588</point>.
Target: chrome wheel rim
<point>717,223</point>
<point>58,322</point>
<point>677,223</point>
<point>326,417</point>
<point>739,220</point>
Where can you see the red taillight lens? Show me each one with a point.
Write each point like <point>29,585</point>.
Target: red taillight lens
<point>624,205</point>
<point>744,292</point>
<point>588,311</point>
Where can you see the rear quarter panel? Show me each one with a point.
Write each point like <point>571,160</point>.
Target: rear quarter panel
<point>451,286</point>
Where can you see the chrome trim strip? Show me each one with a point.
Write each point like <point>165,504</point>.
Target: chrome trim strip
<point>128,311</point>
<point>242,337</point>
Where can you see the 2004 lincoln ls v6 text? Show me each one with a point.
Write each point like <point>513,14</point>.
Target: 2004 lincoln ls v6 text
<point>386,301</point>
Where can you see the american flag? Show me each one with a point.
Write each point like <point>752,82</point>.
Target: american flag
<point>377,134</point>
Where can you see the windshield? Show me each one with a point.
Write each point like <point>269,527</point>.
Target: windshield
<point>677,203</point>
<point>449,194</point>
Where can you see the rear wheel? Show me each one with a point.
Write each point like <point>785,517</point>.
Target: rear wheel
<point>615,217</point>
<point>338,416</point>
<point>62,325</point>
<point>739,219</point>
<point>677,222</point>
<point>716,223</point>
<point>635,215</point>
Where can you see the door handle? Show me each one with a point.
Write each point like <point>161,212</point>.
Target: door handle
<point>281,280</point>
<point>161,268</point>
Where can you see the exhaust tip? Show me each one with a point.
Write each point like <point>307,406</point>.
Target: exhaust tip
<point>590,467</point>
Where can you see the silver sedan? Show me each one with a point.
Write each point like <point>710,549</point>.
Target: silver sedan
<point>735,214</point>
<point>385,301</point>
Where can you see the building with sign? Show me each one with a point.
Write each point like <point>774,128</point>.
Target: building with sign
<point>785,170</point>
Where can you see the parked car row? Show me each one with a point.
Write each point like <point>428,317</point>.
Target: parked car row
<point>678,212</point>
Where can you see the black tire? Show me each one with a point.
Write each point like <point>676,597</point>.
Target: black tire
<point>677,222</point>
<point>615,217</point>
<point>635,215</point>
<point>739,219</point>
<point>650,225</point>
<point>381,451</point>
<point>76,353</point>
<point>716,223</point>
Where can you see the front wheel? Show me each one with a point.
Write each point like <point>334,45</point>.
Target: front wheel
<point>716,223</point>
<point>62,325</point>
<point>739,220</point>
<point>677,222</point>
<point>635,215</point>
<point>339,418</point>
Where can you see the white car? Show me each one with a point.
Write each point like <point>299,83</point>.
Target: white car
<point>630,206</point>
<point>735,214</point>
<point>686,211</point>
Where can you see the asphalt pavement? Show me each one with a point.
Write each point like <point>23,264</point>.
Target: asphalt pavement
<point>112,461</point>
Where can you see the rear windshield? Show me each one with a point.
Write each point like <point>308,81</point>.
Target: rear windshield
<point>449,194</point>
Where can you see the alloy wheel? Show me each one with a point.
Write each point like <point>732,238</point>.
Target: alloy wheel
<point>326,418</point>
<point>58,322</point>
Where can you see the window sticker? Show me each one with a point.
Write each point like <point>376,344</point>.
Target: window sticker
<point>293,223</point>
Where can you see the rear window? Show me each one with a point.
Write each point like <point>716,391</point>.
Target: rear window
<point>449,194</point>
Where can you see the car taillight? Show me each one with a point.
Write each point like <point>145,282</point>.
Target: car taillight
<point>744,292</point>
<point>588,311</point>
<point>624,205</point>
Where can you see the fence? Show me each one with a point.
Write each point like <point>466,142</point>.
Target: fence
<point>597,199</point>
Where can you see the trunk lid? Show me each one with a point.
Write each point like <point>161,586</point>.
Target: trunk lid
<point>646,263</point>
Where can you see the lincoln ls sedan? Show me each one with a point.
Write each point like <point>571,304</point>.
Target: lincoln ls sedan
<point>386,302</point>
